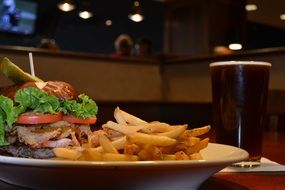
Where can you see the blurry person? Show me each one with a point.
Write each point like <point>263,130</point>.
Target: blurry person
<point>123,45</point>
<point>49,44</point>
<point>10,15</point>
<point>222,50</point>
<point>143,47</point>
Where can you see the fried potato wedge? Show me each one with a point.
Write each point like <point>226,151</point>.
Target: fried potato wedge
<point>107,145</point>
<point>130,119</point>
<point>156,127</point>
<point>142,138</point>
<point>67,153</point>
<point>175,132</point>
<point>124,129</point>
<point>197,131</point>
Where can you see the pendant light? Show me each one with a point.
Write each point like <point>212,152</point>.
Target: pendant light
<point>136,14</point>
<point>66,5</point>
<point>85,11</point>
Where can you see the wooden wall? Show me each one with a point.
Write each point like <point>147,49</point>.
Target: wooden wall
<point>195,27</point>
<point>177,90</point>
<point>180,79</point>
<point>188,79</point>
<point>104,79</point>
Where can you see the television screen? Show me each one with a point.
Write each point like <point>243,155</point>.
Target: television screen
<point>18,16</point>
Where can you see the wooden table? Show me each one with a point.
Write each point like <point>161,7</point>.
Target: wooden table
<point>273,148</point>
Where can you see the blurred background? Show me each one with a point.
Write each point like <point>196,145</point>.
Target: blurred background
<point>168,82</point>
<point>180,27</point>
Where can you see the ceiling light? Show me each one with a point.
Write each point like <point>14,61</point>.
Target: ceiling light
<point>108,22</point>
<point>235,46</point>
<point>282,16</point>
<point>85,14</point>
<point>85,10</point>
<point>136,17</point>
<point>66,5</point>
<point>251,7</point>
<point>136,14</point>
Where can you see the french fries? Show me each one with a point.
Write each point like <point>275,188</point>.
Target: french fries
<point>65,153</point>
<point>155,127</point>
<point>175,132</point>
<point>130,119</point>
<point>132,139</point>
<point>107,145</point>
<point>142,138</point>
<point>118,144</point>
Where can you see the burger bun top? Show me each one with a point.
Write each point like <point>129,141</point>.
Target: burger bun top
<point>62,90</point>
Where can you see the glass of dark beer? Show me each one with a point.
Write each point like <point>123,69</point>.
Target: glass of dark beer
<point>239,97</point>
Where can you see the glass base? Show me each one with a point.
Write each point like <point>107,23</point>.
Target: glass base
<point>247,164</point>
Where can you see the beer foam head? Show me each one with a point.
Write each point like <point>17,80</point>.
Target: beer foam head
<point>223,63</point>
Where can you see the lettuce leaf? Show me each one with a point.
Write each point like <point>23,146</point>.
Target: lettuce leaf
<point>37,100</point>
<point>84,108</point>
<point>9,112</point>
<point>8,115</point>
<point>3,140</point>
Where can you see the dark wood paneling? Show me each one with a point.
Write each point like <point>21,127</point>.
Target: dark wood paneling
<point>193,114</point>
<point>194,27</point>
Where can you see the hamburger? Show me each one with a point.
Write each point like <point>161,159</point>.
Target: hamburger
<point>36,117</point>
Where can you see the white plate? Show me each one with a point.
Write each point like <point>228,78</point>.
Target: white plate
<point>137,175</point>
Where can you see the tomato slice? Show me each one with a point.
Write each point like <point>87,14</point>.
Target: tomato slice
<point>38,118</point>
<point>79,120</point>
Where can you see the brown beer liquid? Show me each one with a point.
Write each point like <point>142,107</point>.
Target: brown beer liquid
<point>239,95</point>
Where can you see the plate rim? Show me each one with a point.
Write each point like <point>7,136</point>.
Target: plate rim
<point>8,160</point>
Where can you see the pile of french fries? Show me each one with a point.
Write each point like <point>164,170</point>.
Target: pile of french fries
<point>133,139</point>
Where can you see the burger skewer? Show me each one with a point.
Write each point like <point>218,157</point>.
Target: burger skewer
<point>31,64</point>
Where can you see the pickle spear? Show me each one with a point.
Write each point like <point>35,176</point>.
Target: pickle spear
<point>16,74</point>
